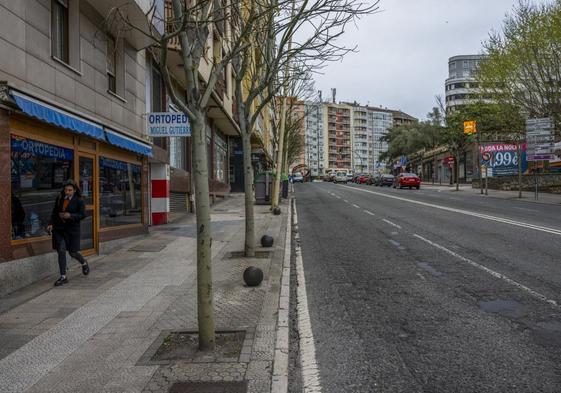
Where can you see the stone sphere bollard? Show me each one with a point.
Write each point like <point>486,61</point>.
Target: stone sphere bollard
<point>277,211</point>
<point>267,241</point>
<point>253,276</point>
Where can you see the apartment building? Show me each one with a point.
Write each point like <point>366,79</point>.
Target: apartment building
<point>74,93</point>
<point>313,156</point>
<point>337,136</point>
<point>461,85</point>
<point>347,136</point>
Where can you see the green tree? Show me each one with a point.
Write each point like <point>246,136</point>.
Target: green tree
<point>522,68</point>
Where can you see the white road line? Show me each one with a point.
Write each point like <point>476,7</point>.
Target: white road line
<point>357,206</point>
<point>337,196</point>
<point>526,225</point>
<point>345,201</point>
<point>525,209</point>
<point>493,273</point>
<point>391,223</point>
<point>310,371</point>
<point>369,212</point>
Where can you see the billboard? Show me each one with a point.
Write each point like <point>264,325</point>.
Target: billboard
<point>502,159</point>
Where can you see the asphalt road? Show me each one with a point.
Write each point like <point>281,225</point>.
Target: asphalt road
<point>426,291</point>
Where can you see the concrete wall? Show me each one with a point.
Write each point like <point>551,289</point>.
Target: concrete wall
<point>26,62</point>
<point>546,183</point>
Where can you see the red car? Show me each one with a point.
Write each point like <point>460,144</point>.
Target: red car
<point>407,180</point>
<point>362,179</point>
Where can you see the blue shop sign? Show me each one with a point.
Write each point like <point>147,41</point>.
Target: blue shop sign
<point>113,164</point>
<point>41,149</point>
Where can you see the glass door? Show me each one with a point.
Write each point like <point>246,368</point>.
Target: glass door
<point>86,181</point>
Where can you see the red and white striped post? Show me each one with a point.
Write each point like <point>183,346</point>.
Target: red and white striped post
<point>159,203</point>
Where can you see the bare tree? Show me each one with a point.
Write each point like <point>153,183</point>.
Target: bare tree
<point>193,24</point>
<point>298,32</point>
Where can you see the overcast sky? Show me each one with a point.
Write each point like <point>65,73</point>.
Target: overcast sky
<point>402,61</point>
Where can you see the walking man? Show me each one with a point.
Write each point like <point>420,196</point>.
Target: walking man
<point>68,211</point>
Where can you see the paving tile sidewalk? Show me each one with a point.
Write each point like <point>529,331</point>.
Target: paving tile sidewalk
<point>94,334</point>
<point>527,196</point>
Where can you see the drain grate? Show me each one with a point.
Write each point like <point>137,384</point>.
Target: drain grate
<point>150,246</point>
<point>209,387</point>
<point>258,254</point>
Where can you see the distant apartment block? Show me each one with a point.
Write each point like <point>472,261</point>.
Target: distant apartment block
<point>347,136</point>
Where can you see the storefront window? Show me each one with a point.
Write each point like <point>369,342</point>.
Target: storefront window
<point>38,172</point>
<point>120,190</point>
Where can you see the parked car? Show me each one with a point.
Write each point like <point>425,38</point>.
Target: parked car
<point>297,178</point>
<point>386,180</point>
<point>349,176</point>
<point>363,179</point>
<point>407,180</point>
<point>375,179</point>
<point>341,177</point>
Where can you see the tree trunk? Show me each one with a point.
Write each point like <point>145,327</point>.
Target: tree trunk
<point>249,248</point>
<point>280,155</point>
<point>205,307</point>
<point>457,172</point>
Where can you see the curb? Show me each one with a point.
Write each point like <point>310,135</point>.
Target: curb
<point>279,382</point>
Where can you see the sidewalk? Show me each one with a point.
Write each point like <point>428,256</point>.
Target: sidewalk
<point>527,196</point>
<point>96,334</point>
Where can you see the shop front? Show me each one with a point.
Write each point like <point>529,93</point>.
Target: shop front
<point>41,148</point>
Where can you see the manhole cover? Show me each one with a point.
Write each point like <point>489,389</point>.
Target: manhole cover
<point>150,246</point>
<point>209,387</point>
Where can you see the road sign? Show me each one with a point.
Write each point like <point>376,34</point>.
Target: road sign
<point>168,124</point>
<point>470,127</point>
<point>540,139</point>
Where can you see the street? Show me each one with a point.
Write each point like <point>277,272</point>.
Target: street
<point>428,291</point>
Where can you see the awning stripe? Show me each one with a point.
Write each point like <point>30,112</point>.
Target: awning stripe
<point>56,116</point>
<point>127,143</point>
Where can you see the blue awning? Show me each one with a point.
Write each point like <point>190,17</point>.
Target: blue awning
<point>127,143</point>
<point>56,116</point>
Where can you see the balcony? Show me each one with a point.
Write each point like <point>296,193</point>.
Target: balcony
<point>135,14</point>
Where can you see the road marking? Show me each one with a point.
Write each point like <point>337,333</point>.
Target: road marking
<point>310,371</point>
<point>337,196</point>
<point>394,242</point>
<point>369,212</point>
<point>357,206</point>
<point>526,225</point>
<point>391,223</point>
<point>345,201</point>
<point>493,273</point>
<point>525,209</point>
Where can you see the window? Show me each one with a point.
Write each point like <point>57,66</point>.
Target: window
<point>158,100</point>
<point>466,64</point>
<point>453,65</point>
<point>120,190</point>
<point>111,64</point>
<point>220,149</point>
<point>177,152</point>
<point>59,30</point>
<point>38,171</point>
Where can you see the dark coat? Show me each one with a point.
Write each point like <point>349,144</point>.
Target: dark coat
<point>69,229</point>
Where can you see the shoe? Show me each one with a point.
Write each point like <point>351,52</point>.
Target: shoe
<point>86,268</point>
<point>61,281</point>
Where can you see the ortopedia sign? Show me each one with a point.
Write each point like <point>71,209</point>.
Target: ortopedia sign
<point>168,124</point>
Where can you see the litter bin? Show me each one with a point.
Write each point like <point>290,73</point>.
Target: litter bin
<point>284,191</point>
<point>263,188</point>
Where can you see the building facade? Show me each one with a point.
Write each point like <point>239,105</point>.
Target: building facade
<point>347,136</point>
<point>72,103</point>
<point>461,85</point>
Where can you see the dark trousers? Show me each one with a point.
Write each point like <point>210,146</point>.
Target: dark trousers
<point>61,251</point>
